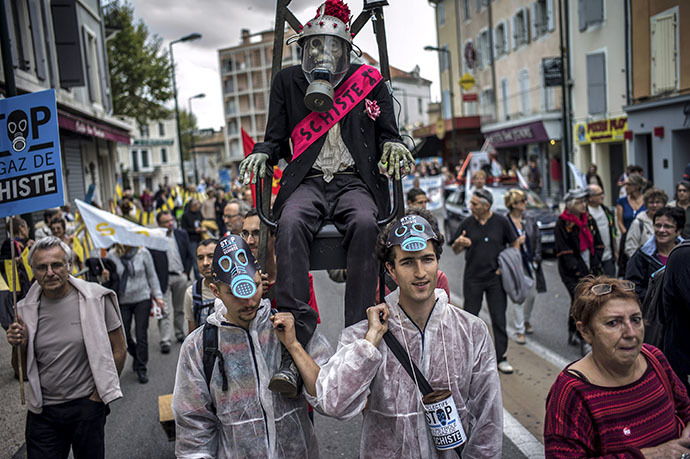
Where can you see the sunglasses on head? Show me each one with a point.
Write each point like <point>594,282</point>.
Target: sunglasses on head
<point>605,289</point>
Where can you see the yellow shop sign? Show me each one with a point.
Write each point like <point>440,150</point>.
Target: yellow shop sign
<point>608,130</point>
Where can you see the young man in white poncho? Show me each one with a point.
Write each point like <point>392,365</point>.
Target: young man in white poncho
<point>451,348</point>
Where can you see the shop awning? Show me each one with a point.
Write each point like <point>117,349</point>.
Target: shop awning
<point>91,128</point>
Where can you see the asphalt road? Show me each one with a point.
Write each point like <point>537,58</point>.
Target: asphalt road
<point>133,431</point>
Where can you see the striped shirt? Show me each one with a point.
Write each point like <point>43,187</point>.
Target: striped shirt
<point>585,420</point>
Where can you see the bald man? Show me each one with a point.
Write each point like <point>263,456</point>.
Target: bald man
<point>607,229</point>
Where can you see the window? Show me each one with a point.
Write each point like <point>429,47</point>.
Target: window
<point>523,79</point>
<point>164,155</point>
<point>590,12</point>
<point>443,59</point>
<point>231,107</point>
<point>135,161</point>
<point>487,102</point>
<point>441,10</point>
<point>596,83</point>
<point>420,106</point>
<point>93,74</point>
<point>161,130</point>
<point>546,91</point>
<point>227,65</point>
<point>478,5</point>
<point>22,34</point>
<point>664,28</point>
<point>543,20</point>
<point>504,98</point>
<point>483,49</point>
<point>232,127</point>
<point>446,104</point>
<point>145,159</point>
<point>466,9</point>
<point>501,39</point>
<point>143,130</point>
<point>520,28</point>
<point>229,86</point>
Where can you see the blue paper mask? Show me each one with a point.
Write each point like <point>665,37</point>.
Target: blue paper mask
<point>411,233</point>
<point>234,264</point>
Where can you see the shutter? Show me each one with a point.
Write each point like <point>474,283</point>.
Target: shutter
<point>582,15</point>
<point>74,169</point>
<point>664,54</point>
<point>596,83</point>
<point>513,35</point>
<point>38,40</point>
<point>550,18</point>
<point>506,38</point>
<point>533,22</point>
<point>595,11</point>
<point>88,65</point>
<point>12,34</point>
<point>67,43</point>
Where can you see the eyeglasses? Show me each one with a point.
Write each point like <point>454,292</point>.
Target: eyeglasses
<point>44,268</point>
<point>664,226</point>
<point>605,289</point>
<point>255,234</point>
<point>228,216</point>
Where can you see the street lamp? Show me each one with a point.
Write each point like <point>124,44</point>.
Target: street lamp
<point>454,155</point>
<point>190,37</point>
<point>189,103</point>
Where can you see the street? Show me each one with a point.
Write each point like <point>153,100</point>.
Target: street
<point>133,431</point>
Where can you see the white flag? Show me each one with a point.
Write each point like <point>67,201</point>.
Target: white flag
<point>107,229</point>
<point>579,179</point>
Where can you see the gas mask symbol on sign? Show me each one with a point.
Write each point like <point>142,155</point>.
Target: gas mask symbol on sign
<point>18,129</point>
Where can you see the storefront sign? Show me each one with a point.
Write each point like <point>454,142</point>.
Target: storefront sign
<point>607,130</point>
<point>518,135</point>
<point>553,71</point>
<point>470,97</point>
<point>90,128</point>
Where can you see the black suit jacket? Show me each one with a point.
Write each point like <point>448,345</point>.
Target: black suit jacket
<point>160,258</point>
<point>186,254</point>
<point>363,136</point>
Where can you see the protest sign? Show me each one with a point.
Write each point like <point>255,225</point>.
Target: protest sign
<point>30,165</point>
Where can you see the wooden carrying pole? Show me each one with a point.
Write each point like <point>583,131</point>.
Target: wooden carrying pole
<point>13,286</point>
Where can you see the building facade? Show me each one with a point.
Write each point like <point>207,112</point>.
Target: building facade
<point>598,69</point>
<point>61,45</point>
<point>208,152</point>
<point>245,73</point>
<point>153,159</point>
<point>659,81</point>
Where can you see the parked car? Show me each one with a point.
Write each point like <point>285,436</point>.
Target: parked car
<point>456,211</point>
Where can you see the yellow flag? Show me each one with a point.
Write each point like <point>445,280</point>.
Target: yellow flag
<point>8,275</point>
<point>27,266</point>
<point>78,248</point>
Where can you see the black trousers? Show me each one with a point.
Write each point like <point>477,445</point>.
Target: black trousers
<point>138,349</point>
<point>474,291</point>
<point>347,202</point>
<point>79,424</point>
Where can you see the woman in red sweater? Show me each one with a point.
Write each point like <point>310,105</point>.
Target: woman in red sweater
<point>622,400</point>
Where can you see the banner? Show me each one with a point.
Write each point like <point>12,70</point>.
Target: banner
<point>107,229</point>
<point>579,179</point>
<point>432,186</point>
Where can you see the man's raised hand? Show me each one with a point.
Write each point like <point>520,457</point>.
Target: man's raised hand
<point>377,316</point>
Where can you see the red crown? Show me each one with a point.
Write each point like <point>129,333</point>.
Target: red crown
<point>336,8</point>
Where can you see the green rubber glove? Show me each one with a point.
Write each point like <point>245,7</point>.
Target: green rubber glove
<point>394,154</point>
<point>253,164</point>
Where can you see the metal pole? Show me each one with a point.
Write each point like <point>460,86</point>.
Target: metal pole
<point>11,91</point>
<point>191,148</point>
<point>177,114</point>
<point>564,104</point>
<point>454,154</point>
<point>492,57</point>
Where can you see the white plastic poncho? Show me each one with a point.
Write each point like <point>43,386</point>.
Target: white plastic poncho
<point>394,423</point>
<point>249,420</point>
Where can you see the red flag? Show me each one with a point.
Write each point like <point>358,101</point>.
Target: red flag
<point>277,175</point>
<point>247,143</point>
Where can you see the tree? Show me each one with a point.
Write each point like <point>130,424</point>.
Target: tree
<point>187,127</point>
<point>139,66</point>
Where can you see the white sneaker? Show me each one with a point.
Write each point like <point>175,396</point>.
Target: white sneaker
<point>505,367</point>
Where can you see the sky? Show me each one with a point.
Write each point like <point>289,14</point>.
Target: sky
<point>409,27</point>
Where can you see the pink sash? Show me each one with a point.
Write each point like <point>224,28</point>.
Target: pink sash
<point>350,93</point>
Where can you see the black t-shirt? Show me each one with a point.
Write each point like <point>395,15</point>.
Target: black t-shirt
<point>189,222</point>
<point>488,240</point>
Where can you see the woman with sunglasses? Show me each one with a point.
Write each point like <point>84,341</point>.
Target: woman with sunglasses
<point>652,256</point>
<point>530,248</point>
<point>622,399</point>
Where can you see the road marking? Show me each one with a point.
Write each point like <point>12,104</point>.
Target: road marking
<point>521,437</point>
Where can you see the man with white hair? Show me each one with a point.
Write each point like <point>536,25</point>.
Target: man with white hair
<point>71,339</point>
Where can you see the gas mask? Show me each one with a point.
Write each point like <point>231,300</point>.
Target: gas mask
<point>18,129</point>
<point>325,61</point>
<point>234,264</point>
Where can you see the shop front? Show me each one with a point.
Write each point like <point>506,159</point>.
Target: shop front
<point>602,143</point>
<point>516,142</point>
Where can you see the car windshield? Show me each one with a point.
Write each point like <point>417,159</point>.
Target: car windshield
<point>533,199</point>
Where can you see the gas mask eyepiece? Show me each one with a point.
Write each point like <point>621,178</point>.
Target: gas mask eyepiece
<point>325,61</point>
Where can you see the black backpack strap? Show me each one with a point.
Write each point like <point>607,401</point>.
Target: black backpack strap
<point>404,358</point>
<point>211,352</point>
